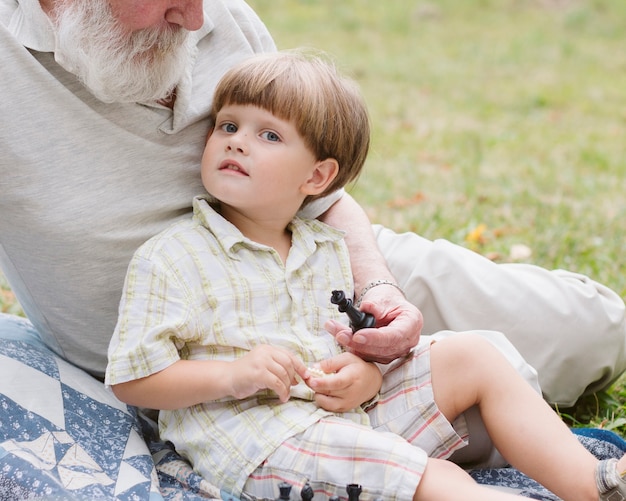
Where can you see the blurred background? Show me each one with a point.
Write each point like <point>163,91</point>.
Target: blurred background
<point>498,124</point>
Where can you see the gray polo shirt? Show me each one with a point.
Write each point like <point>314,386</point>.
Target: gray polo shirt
<point>84,183</point>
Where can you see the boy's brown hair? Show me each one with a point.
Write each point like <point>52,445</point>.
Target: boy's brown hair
<point>307,90</point>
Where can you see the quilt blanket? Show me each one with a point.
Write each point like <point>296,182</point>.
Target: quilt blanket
<point>63,436</point>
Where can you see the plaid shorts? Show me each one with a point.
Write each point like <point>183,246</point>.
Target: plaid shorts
<point>387,459</point>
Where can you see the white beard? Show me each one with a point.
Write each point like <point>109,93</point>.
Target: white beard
<point>116,66</point>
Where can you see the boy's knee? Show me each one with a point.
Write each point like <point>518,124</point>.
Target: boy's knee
<point>466,347</point>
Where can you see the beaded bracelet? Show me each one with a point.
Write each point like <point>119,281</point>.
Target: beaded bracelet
<point>373,284</point>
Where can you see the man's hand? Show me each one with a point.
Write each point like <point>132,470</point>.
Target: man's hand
<point>398,322</point>
<point>265,367</point>
<point>398,327</point>
<point>349,382</point>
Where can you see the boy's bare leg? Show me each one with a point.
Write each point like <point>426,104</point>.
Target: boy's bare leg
<point>445,481</point>
<point>467,371</point>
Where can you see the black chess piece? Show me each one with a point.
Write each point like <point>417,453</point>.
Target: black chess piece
<point>285,491</point>
<point>307,492</point>
<point>354,491</point>
<point>358,319</point>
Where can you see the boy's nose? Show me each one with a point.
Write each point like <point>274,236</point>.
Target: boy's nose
<point>237,142</point>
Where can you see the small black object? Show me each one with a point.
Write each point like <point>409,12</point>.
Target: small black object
<point>358,319</point>
<point>307,492</point>
<point>333,498</point>
<point>285,491</point>
<point>354,491</point>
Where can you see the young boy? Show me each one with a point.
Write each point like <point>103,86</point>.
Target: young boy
<point>222,320</point>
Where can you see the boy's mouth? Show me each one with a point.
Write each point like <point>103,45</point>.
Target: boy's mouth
<point>232,166</point>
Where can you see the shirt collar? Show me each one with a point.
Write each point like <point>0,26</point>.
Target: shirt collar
<point>306,233</point>
<point>31,26</point>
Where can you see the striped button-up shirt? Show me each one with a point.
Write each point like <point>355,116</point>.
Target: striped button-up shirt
<point>202,290</point>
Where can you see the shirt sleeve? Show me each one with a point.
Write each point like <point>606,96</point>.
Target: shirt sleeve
<point>153,317</point>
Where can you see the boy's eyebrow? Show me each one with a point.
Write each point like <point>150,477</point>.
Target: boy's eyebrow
<point>271,120</point>
<point>222,112</point>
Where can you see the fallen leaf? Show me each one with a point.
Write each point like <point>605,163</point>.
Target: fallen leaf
<point>477,235</point>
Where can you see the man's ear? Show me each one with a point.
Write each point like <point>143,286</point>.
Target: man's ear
<point>323,174</point>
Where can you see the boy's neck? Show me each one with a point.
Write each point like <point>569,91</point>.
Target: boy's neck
<point>270,232</point>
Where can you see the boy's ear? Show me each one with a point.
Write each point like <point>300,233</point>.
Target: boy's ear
<point>323,174</point>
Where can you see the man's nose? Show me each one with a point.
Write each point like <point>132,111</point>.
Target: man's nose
<point>186,13</point>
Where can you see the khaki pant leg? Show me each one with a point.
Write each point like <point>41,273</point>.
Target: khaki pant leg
<point>571,329</point>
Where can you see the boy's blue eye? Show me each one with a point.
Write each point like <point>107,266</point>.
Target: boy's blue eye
<point>229,127</point>
<point>270,136</point>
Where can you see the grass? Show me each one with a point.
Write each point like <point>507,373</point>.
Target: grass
<point>497,124</point>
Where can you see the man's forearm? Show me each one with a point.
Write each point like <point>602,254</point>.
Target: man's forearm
<point>368,264</point>
<point>398,322</point>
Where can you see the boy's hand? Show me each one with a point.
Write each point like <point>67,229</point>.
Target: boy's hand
<point>349,382</point>
<point>266,367</point>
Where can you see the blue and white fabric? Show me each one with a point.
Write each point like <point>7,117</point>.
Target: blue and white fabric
<point>65,437</point>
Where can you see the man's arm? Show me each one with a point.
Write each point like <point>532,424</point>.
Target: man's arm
<point>399,323</point>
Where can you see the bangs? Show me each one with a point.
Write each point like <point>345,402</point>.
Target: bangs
<point>291,88</point>
<point>276,91</point>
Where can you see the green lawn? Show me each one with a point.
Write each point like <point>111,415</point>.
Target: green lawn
<point>498,124</point>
